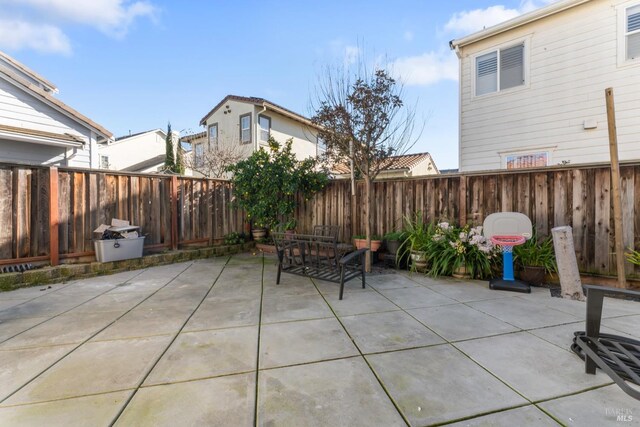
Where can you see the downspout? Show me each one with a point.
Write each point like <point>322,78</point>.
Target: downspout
<point>264,108</point>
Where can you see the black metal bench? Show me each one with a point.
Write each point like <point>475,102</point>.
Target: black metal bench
<point>317,256</point>
<point>618,357</point>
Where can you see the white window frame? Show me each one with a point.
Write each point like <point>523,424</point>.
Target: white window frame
<point>241,129</point>
<point>102,160</point>
<point>548,151</point>
<point>622,34</point>
<point>526,42</point>
<point>261,129</point>
<point>212,140</point>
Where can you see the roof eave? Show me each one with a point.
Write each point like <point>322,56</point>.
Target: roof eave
<point>518,21</point>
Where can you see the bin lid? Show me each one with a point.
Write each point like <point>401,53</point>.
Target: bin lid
<point>124,228</point>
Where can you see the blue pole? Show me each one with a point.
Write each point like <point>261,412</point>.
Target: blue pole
<point>507,266</point>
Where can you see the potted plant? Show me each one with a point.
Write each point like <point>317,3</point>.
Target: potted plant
<point>535,258</point>
<point>392,241</point>
<point>417,236</point>
<point>360,241</point>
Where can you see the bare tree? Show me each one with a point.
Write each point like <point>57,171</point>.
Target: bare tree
<point>365,121</point>
<point>212,161</point>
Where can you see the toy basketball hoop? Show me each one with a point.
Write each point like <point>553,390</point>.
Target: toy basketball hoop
<point>506,230</point>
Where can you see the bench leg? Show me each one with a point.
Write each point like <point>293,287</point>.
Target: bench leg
<point>341,281</point>
<point>594,317</point>
<point>279,271</point>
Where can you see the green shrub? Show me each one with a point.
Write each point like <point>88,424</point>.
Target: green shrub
<point>234,238</point>
<point>536,252</point>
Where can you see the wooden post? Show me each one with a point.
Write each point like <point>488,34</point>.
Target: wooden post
<point>462,201</point>
<point>53,216</point>
<point>174,212</point>
<point>615,184</point>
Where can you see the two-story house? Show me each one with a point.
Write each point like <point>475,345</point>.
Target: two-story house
<point>249,121</point>
<point>37,128</point>
<point>532,88</point>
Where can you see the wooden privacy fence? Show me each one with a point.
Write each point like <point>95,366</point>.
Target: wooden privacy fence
<point>576,196</point>
<point>48,214</point>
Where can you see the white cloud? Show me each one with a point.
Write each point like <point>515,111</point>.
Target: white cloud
<point>426,69</point>
<point>351,54</point>
<point>470,21</point>
<point>408,36</point>
<point>42,21</point>
<point>17,35</point>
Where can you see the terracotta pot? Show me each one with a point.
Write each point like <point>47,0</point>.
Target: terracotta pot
<point>375,245</point>
<point>532,275</point>
<point>362,243</point>
<point>259,233</point>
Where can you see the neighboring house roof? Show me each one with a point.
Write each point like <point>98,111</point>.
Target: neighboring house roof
<point>193,136</point>
<point>263,103</point>
<point>393,163</point>
<point>131,135</point>
<point>47,84</point>
<point>46,137</point>
<point>518,21</point>
<point>146,164</point>
<point>47,98</point>
<point>446,171</point>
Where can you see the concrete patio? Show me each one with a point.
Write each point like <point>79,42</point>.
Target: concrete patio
<point>216,342</point>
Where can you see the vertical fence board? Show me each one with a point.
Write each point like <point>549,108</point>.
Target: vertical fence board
<point>603,216</point>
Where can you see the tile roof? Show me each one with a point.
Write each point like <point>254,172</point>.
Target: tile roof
<point>405,161</point>
<point>261,102</point>
<point>193,136</point>
<point>28,71</point>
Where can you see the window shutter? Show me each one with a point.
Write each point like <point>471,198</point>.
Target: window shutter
<point>512,67</point>
<point>487,73</point>
<point>633,40</point>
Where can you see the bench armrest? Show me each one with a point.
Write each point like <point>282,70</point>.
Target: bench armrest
<point>360,252</point>
<point>595,296</point>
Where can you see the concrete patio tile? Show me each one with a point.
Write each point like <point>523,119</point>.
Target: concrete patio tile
<point>71,328</point>
<point>523,314</point>
<point>416,297</point>
<point>153,279</point>
<point>562,335</point>
<point>217,314</point>
<point>298,307</point>
<point>97,367</point>
<point>112,302</point>
<point>11,327</point>
<point>31,292</point>
<point>98,410</point>
<point>290,285</point>
<point>596,408</point>
<point>340,392</point>
<point>393,330</point>
<point>97,285</point>
<point>628,324</point>
<point>196,355</point>
<point>537,369</point>
<point>175,298</point>
<point>235,291</point>
<point>611,307</point>
<point>47,305</point>
<point>246,259</point>
<point>438,384</point>
<point>306,341</point>
<point>199,274</point>
<point>457,322</point>
<point>525,416</point>
<point>223,401</point>
<point>332,289</point>
<point>8,303</point>
<point>146,323</point>
<point>361,302</point>
<point>390,281</point>
<point>17,367</point>
<point>474,290</point>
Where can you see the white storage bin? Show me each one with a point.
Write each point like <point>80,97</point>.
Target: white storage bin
<point>118,249</point>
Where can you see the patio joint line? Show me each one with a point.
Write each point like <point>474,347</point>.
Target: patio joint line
<point>64,312</point>
<point>361,354</point>
<point>191,380</point>
<point>155,363</point>
<point>90,337</point>
<point>483,414</point>
<point>257,376</point>
<point>61,399</point>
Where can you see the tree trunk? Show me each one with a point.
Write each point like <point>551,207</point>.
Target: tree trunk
<point>369,221</point>
<point>568,272</point>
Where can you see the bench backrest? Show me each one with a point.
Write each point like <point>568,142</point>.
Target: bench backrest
<point>306,249</point>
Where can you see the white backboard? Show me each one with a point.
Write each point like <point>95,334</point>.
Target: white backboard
<point>507,224</point>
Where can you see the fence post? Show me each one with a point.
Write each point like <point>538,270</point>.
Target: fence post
<point>53,216</point>
<point>174,212</point>
<point>462,201</point>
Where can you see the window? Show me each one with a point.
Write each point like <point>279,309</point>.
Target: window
<point>104,162</point>
<point>264,123</point>
<point>245,128</point>
<point>632,33</point>
<point>531,160</point>
<point>499,70</point>
<point>198,152</point>
<point>213,135</point>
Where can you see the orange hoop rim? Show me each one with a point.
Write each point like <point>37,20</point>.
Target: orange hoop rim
<point>508,240</point>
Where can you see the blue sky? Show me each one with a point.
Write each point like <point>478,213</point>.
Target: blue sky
<point>134,65</point>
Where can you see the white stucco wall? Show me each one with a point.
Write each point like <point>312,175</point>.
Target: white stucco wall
<point>133,150</point>
<point>570,58</point>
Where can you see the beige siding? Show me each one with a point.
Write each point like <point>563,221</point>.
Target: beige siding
<point>572,57</point>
